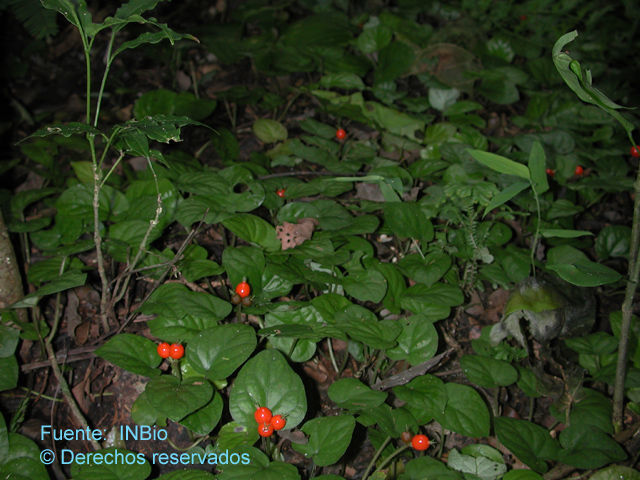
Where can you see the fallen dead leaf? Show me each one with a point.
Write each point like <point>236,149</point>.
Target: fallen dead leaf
<point>293,234</point>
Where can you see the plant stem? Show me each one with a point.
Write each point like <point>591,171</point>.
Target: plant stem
<point>104,77</point>
<point>375,457</point>
<point>97,239</point>
<point>627,307</point>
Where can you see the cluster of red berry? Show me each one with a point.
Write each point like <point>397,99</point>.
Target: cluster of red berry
<point>267,422</point>
<point>243,290</point>
<point>174,351</point>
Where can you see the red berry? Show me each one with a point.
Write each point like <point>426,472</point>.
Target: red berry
<point>579,170</point>
<point>278,422</point>
<point>523,18</point>
<point>341,134</point>
<point>281,192</point>
<point>551,172</point>
<point>262,415</point>
<point>164,350</point>
<point>265,430</point>
<point>420,442</point>
<point>635,151</point>
<point>177,351</point>
<point>243,289</point>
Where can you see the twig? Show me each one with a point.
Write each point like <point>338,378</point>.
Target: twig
<point>170,265</point>
<point>411,373</point>
<point>627,307</point>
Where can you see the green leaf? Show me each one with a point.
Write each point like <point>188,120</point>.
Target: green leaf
<point>187,475</point>
<point>408,220</point>
<point>171,103</point>
<point>394,60</point>
<point>65,281</point>
<point>267,380</point>
<point>574,267</point>
<point>501,164</point>
<point>529,442</point>
<point>217,352</point>
<point>329,438</point>
<point>269,131</point>
<point>488,372</point>
<point>537,164</point>
<point>373,39</point>
<point>561,233</point>
<point>426,397</point>
<point>365,285</point>
<point>202,421</point>
<point>418,341</point>
<point>427,270</point>
<point>176,400</point>
<point>614,472</point>
<point>4,438</point>
<point>151,38</point>
<point>342,80</point>
<point>352,394</point>
<point>134,353</point>
<point>588,447</point>
<point>476,465</point>
<point>134,466</point>
<point>258,467</point>
<point>66,129</point>
<point>233,435</point>
<point>465,412</point>
<point>254,229</point>
<point>522,475</point>
<point>9,338</point>
<point>505,195</point>
<point>571,72</point>
<point>613,241</point>
<point>426,467</point>
<point>362,325</point>
<point>22,461</point>
<point>9,377</point>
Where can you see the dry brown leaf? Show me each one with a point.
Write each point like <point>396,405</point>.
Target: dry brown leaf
<point>293,234</point>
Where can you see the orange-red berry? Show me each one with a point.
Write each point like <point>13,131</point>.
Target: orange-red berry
<point>243,289</point>
<point>551,172</point>
<point>635,151</point>
<point>420,442</point>
<point>265,430</point>
<point>281,192</point>
<point>579,170</point>
<point>177,351</point>
<point>278,422</point>
<point>262,415</point>
<point>341,134</point>
<point>164,349</point>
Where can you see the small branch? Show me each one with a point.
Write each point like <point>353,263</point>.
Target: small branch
<point>411,373</point>
<point>627,307</point>
<point>66,392</point>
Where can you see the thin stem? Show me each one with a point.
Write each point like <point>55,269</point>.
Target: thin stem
<point>113,167</point>
<point>66,392</point>
<point>627,309</point>
<point>375,457</point>
<point>332,356</point>
<point>97,239</point>
<point>104,77</point>
<point>537,233</point>
<point>391,457</point>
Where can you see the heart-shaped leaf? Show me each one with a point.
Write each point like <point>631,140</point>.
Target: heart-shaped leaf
<point>217,352</point>
<point>267,380</point>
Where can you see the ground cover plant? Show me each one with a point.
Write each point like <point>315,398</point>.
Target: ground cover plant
<point>320,239</point>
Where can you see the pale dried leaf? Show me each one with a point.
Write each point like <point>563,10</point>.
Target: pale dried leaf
<point>293,234</point>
